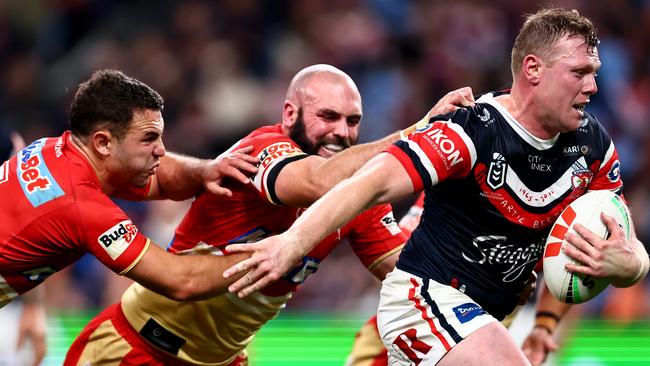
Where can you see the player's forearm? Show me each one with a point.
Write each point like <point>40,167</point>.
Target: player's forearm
<point>344,164</point>
<point>333,210</point>
<point>549,311</point>
<point>203,278</point>
<point>180,177</point>
<point>638,272</point>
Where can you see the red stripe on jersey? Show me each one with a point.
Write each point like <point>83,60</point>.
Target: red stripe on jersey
<point>426,318</point>
<point>552,249</point>
<point>559,231</point>
<point>445,149</point>
<point>609,176</point>
<point>507,205</point>
<point>408,166</point>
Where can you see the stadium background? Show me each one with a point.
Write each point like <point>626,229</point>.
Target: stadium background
<point>223,67</point>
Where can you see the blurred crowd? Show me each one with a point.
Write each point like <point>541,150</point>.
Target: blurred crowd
<point>223,67</point>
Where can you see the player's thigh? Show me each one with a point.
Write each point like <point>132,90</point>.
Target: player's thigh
<point>421,320</point>
<point>368,349</point>
<point>491,342</point>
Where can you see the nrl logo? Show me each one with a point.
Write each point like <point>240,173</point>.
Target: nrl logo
<point>497,173</point>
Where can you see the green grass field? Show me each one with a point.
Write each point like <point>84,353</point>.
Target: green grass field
<point>325,339</point>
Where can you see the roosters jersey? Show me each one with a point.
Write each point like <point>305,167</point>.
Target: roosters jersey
<point>492,192</point>
<point>215,331</point>
<point>53,212</point>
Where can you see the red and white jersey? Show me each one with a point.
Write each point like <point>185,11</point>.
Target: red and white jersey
<point>216,330</point>
<point>54,212</point>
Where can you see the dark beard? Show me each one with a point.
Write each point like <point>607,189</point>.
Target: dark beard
<point>299,136</point>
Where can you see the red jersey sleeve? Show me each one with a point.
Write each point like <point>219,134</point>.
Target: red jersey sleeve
<point>375,235</point>
<point>275,150</point>
<point>434,153</point>
<point>110,235</point>
<point>608,174</point>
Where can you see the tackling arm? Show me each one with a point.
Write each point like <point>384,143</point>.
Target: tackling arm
<point>181,177</point>
<point>382,179</point>
<point>183,277</point>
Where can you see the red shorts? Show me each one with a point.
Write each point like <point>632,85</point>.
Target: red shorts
<point>109,339</point>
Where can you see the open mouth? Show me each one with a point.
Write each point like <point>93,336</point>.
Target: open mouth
<point>333,148</point>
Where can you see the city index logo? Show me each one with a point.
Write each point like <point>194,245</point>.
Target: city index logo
<point>445,145</point>
<point>277,151</point>
<point>116,239</point>
<point>30,172</point>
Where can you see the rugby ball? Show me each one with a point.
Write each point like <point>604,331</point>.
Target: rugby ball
<point>577,288</point>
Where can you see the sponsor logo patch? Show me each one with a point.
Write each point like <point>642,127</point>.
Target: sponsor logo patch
<point>614,173</point>
<point>300,273</point>
<point>497,173</point>
<point>390,224</point>
<point>467,312</point>
<point>276,151</point>
<point>34,177</point>
<point>116,239</point>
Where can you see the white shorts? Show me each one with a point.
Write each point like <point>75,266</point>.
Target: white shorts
<point>420,320</point>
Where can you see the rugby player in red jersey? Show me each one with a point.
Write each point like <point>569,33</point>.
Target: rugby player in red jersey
<point>300,159</point>
<point>56,204</point>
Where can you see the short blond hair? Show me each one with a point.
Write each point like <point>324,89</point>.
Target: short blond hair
<point>542,30</point>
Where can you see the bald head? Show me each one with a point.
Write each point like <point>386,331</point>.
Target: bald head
<point>322,110</point>
<point>302,86</point>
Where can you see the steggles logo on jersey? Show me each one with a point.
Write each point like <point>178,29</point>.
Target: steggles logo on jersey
<point>116,239</point>
<point>497,173</point>
<point>513,259</point>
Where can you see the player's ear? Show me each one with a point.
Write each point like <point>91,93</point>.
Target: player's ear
<point>101,142</point>
<point>532,68</point>
<point>289,114</point>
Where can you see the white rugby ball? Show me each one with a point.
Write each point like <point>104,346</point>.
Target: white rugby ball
<point>577,288</point>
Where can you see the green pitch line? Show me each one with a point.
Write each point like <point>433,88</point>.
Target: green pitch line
<point>295,339</point>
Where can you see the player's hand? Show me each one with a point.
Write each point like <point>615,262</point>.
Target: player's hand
<point>612,258</point>
<point>32,326</point>
<point>538,345</point>
<point>271,258</point>
<point>237,164</point>
<point>455,99</point>
<point>531,284</point>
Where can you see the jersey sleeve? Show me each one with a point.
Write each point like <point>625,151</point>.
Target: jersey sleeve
<point>275,151</point>
<point>608,169</point>
<point>436,152</point>
<point>110,235</point>
<point>375,235</point>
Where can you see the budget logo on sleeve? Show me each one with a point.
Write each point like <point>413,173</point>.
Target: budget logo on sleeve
<point>467,312</point>
<point>116,239</point>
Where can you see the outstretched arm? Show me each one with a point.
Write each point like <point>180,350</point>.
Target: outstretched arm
<point>183,277</point>
<point>181,177</point>
<point>302,182</point>
<point>382,179</point>
<point>32,324</point>
<point>540,342</point>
